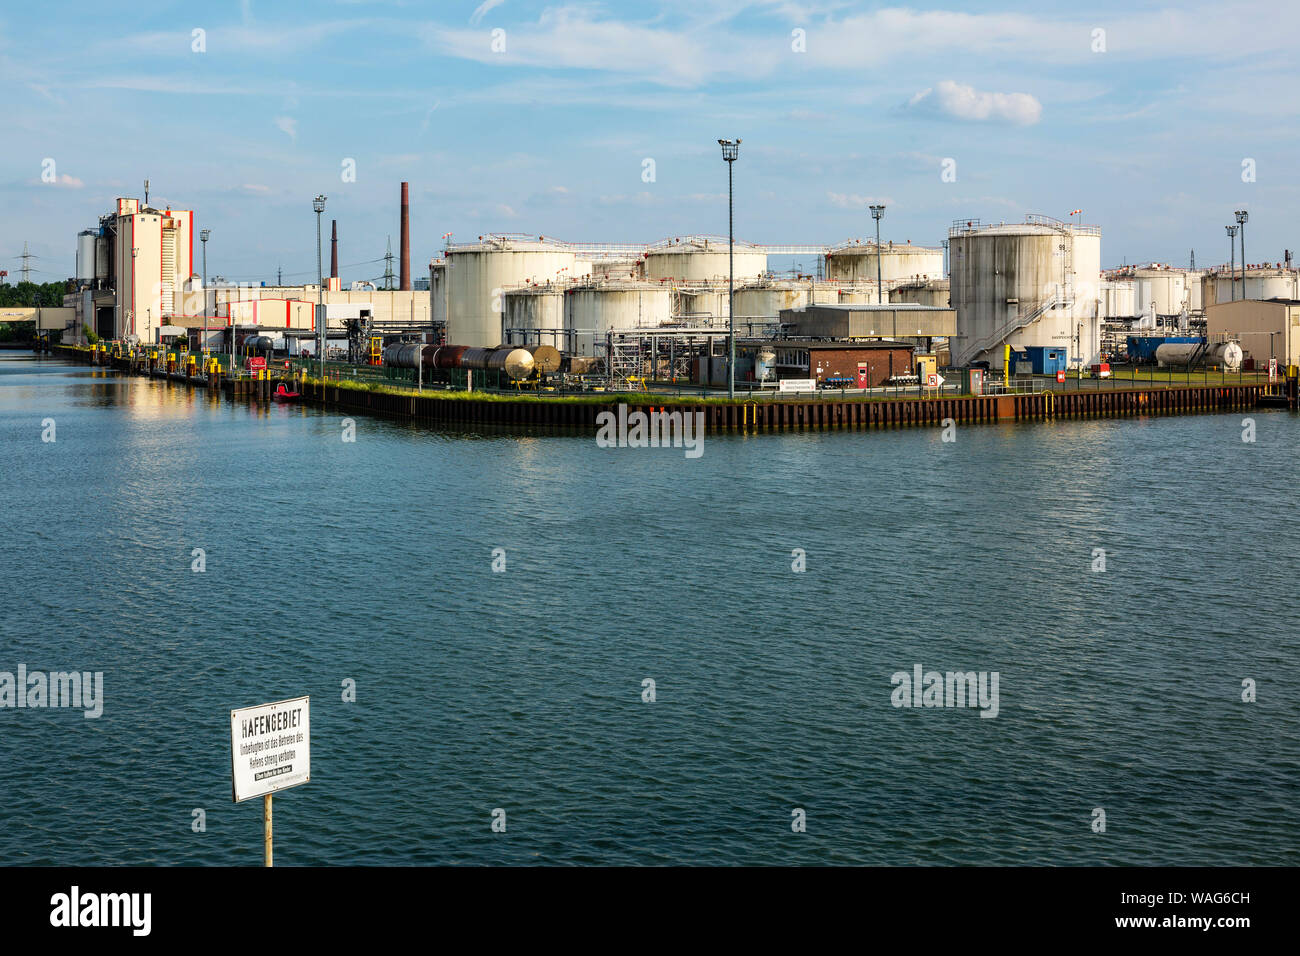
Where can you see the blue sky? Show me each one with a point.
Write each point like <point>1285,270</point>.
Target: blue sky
<point>550,135</point>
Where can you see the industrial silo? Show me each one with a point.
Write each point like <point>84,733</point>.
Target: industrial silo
<point>1028,284</point>
<point>535,315</point>
<point>478,275</point>
<point>856,260</point>
<point>592,309</point>
<point>702,259</point>
<point>86,256</point>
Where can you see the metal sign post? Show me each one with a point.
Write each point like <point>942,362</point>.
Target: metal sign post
<point>270,750</point>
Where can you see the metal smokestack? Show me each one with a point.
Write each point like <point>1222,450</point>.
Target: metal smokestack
<point>404,278</point>
<point>334,248</point>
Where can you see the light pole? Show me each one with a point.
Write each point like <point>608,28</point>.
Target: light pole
<point>876,213</point>
<point>1232,261</point>
<point>730,150</point>
<point>1242,216</point>
<point>319,205</point>
<point>203,237</point>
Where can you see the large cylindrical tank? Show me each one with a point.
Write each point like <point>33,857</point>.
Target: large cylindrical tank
<point>701,305</point>
<point>478,276</point>
<point>1118,299</point>
<point>1223,354</point>
<point>1269,283</point>
<point>407,354</point>
<point>763,302</point>
<point>546,358</point>
<point>517,364</point>
<point>86,256</point>
<point>617,268</point>
<point>592,310</point>
<point>448,356</point>
<point>256,342</point>
<point>1033,284</point>
<point>539,312</point>
<point>1163,288</point>
<point>856,261</point>
<point>931,292</point>
<point>700,259</point>
<point>764,364</point>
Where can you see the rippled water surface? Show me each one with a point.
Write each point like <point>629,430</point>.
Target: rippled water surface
<point>522,690</point>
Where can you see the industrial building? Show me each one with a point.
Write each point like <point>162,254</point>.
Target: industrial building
<point>1264,329</point>
<point>137,282</point>
<point>1034,283</point>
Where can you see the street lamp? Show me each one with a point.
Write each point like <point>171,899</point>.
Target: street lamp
<point>730,151</point>
<point>203,237</point>
<point>319,205</point>
<point>1242,216</point>
<point>876,213</point>
<point>1232,261</point>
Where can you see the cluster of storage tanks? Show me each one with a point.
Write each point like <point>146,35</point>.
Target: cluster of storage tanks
<point>571,296</point>
<point>1139,295</point>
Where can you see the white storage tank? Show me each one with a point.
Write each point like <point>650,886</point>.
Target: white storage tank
<point>617,268</point>
<point>1226,355</point>
<point>856,260</point>
<point>592,309</point>
<point>702,259</point>
<point>1034,283</point>
<point>861,293</point>
<point>539,312</point>
<point>1161,289</point>
<point>86,256</point>
<point>1267,283</point>
<point>701,305</point>
<point>763,301</point>
<point>479,274</point>
<point>931,292</point>
<point>1118,299</point>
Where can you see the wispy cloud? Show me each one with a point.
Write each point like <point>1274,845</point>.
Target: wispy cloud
<point>957,101</point>
<point>482,10</point>
<point>287,125</point>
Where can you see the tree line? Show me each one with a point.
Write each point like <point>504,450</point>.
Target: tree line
<point>47,295</point>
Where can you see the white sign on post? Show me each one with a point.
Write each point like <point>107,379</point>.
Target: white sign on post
<point>798,385</point>
<point>270,747</point>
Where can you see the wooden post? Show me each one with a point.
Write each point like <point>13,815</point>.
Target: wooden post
<point>266,827</point>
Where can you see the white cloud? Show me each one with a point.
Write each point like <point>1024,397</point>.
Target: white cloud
<point>71,181</point>
<point>967,103</point>
<point>288,125</point>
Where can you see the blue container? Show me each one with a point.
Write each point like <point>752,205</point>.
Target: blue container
<point>1046,359</point>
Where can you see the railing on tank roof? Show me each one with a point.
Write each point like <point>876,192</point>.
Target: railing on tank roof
<point>963,226</point>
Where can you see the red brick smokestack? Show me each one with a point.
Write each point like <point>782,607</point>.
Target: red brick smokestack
<point>334,248</point>
<point>405,276</point>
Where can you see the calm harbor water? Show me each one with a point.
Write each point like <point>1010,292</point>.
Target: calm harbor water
<point>522,690</point>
